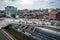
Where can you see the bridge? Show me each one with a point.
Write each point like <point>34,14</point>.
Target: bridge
<point>5,22</point>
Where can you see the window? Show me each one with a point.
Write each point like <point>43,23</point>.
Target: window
<point>37,31</point>
<point>26,28</point>
<point>32,29</point>
<point>23,26</point>
<point>19,25</point>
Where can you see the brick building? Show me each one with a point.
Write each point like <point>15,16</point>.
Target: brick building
<point>58,16</point>
<point>54,15</point>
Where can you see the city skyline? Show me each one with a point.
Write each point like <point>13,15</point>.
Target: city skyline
<point>30,4</point>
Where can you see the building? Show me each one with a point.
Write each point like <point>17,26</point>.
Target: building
<point>10,10</point>
<point>31,13</point>
<point>58,16</point>
<point>54,15</point>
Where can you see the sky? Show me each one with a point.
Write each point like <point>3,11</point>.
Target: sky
<point>30,4</point>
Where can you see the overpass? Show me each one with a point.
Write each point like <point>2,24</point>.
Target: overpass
<point>6,21</point>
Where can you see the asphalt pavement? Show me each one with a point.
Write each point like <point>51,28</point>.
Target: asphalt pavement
<point>3,36</point>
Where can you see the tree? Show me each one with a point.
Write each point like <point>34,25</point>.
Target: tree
<point>13,15</point>
<point>21,16</point>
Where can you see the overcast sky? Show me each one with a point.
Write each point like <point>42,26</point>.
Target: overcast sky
<point>30,4</point>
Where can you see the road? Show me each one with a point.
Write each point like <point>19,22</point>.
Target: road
<point>3,36</point>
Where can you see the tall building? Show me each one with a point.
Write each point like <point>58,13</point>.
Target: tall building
<point>10,10</point>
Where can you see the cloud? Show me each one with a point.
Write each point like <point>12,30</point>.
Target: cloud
<point>13,0</point>
<point>22,2</point>
<point>26,2</point>
<point>32,4</point>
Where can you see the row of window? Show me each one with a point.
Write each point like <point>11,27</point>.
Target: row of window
<point>27,27</point>
<point>35,31</point>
